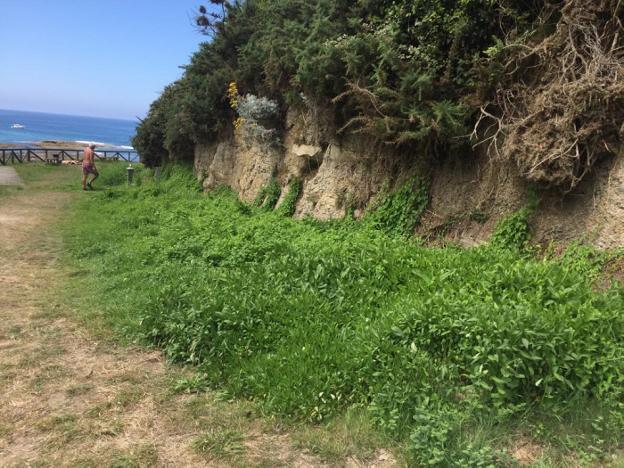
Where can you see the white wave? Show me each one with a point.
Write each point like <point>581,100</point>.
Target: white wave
<point>102,145</point>
<point>96,143</point>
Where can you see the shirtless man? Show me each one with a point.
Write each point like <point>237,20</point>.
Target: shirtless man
<point>88,167</point>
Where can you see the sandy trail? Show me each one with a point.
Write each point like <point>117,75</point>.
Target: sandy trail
<point>69,400</point>
<point>8,176</point>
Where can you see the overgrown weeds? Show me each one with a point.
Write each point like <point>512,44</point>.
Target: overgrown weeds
<point>268,196</point>
<point>444,348</point>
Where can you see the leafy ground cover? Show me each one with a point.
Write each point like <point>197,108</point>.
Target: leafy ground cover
<point>73,395</point>
<point>459,355</point>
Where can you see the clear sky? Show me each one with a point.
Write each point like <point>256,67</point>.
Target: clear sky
<point>105,58</point>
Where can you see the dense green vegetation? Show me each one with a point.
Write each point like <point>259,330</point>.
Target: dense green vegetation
<point>453,353</point>
<point>406,72</point>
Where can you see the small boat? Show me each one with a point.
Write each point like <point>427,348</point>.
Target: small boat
<point>18,126</point>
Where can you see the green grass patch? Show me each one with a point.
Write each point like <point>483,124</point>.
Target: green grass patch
<point>219,443</point>
<point>445,349</point>
<point>349,435</point>
<point>40,176</point>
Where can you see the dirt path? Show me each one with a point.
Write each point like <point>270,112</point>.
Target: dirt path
<point>69,400</point>
<point>8,176</point>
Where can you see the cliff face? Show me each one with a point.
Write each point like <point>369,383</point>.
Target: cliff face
<point>469,194</point>
<point>469,197</point>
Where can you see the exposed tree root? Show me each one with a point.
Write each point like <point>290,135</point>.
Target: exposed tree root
<point>560,107</point>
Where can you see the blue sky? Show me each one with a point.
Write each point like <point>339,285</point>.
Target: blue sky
<point>105,58</point>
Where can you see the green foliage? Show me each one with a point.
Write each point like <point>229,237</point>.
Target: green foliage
<point>220,443</point>
<point>115,174</point>
<point>513,232</point>
<point>434,442</point>
<point>479,216</point>
<point>159,137</point>
<point>195,384</point>
<point>403,71</point>
<point>310,319</point>
<point>398,212</point>
<point>268,196</point>
<point>289,204</point>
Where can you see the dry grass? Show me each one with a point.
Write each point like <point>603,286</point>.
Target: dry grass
<point>73,397</point>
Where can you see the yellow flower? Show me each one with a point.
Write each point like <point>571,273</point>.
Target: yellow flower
<point>239,122</point>
<point>232,94</point>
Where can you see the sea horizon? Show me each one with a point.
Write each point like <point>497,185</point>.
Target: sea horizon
<point>29,128</point>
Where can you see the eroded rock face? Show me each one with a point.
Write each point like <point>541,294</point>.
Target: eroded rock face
<point>244,168</point>
<point>469,193</point>
<point>607,219</point>
<point>347,178</point>
<point>306,151</point>
<point>336,174</point>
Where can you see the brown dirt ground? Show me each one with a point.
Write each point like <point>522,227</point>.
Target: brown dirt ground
<point>70,398</point>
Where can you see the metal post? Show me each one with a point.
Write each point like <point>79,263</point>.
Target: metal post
<point>130,174</point>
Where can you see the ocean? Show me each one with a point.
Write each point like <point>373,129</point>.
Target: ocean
<point>38,126</point>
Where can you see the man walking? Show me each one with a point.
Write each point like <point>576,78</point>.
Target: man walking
<point>88,167</point>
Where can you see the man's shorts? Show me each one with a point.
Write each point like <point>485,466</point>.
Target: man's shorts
<point>89,169</point>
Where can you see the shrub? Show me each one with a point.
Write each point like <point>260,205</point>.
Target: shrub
<point>401,71</point>
<point>268,196</point>
<point>399,212</point>
<point>512,232</point>
<point>255,117</point>
<point>310,318</point>
<point>289,203</point>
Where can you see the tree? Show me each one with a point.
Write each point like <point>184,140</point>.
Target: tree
<point>210,22</point>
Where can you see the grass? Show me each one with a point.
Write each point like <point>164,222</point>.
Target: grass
<point>220,443</point>
<point>82,400</point>
<point>349,435</point>
<point>8,190</point>
<point>46,177</point>
<point>78,390</point>
<point>39,176</point>
<point>61,429</point>
<point>452,354</point>
<point>136,456</point>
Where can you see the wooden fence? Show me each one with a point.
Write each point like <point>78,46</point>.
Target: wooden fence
<point>54,155</point>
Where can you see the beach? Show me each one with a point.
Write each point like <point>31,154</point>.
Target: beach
<point>46,144</point>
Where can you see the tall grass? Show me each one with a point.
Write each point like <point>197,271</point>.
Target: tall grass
<point>311,318</point>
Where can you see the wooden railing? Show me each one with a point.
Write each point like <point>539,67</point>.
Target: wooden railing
<point>51,155</point>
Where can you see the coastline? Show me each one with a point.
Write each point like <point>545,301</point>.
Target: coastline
<point>63,144</point>
<point>32,130</point>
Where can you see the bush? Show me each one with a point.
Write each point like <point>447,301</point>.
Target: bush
<point>399,212</point>
<point>289,203</point>
<point>311,318</point>
<point>512,232</point>
<point>401,71</point>
<point>269,195</point>
<point>114,174</point>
